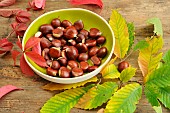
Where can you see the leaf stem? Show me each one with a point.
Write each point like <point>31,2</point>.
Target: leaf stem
<point>10,34</point>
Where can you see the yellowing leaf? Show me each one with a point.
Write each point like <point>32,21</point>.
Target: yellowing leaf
<point>127,74</point>
<point>110,72</point>
<point>96,96</point>
<point>54,86</point>
<point>131,29</point>
<point>119,26</point>
<point>125,99</point>
<point>150,57</point>
<point>158,109</point>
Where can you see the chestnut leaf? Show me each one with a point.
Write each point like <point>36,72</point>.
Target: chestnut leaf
<point>166,58</point>
<point>131,30</point>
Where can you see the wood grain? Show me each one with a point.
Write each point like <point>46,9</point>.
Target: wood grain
<point>32,98</point>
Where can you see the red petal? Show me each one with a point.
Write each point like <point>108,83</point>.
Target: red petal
<point>31,42</point>
<point>4,3</point>
<point>25,67</point>
<point>39,3</point>
<point>37,48</point>
<point>38,59</point>
<point>7,89</point>
<point>15,53</point>
<point>80,2</point>
<point>19,43</point>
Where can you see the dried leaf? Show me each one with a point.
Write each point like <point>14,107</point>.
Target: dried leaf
<point>7,89</point>
<point>31,42</point>
<point>25,67</point>
<point>54,86</point>
<point>8,12</point>
<point>5,45</point>
<point>38,59</point>
<point>127,74</point>
<point>37,48</point>
<point>81,2</point>
<point>119,26</point>
<point>15,53</point>
<point>19,28</point>
<point>5,3</point>
<point>22,16</point>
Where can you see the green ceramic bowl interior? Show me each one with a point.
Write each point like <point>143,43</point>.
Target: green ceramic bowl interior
<point>90,20</point>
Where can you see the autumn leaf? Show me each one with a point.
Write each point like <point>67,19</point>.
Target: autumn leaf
<point>22,16</point>
<point>110,72</point>
<point>8,12</point>
<point>119,26</point>
<point>64,101</point>
<point>141,45</point>
<point>97,95</point>
<point>19,44</point>
<point>150,57</point>
<point>5,45</point>
<point>7,89</point>
<point>127,74</point>
<point>36,4</point>
<point>37,48</point>
<point>125,99</point>
<point>19,28</point>
<point>15,53</point>
<point>81,2</point>
<point>31,42</point>
<point>5,3</point>
<point>55,86</point>
<point>131,30</point>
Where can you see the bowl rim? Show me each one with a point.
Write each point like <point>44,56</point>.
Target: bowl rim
<point>74,79</point>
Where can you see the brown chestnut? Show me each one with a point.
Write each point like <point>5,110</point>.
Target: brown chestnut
<point>72,53</point>
<point>93,51</point>
<point>84,66</point>
<point>64,72</point>
<point>80,38</point>
<point>82,48</point>
<point>92,68</point>
<point>38,34</point>
<point>77,72</point>
<point>51,72</point>
<point>101,40</point>
<point>79,25</point>
<point>101,53</point>
<point>66,23</point>
<point>55,65</point>
<point>50,37</point>
<point>46,29</point>
<point>123,65</point>
<point>90,43</point>
<point>83,57</point>
<point>85,33</point>
<point>72,42</point>
<point>62,61</point>
<point>63,42</point>
<point>57,32</point>
<point>45,43</point>
<point>45,53</point>
<point>70,32</point>
<point>56,22</point>
<point>63,53</point>
<point>72,64</point>
<point>56,43</point>
<point>94,32</point>
<point>96,61</point>
<point>55,52</point>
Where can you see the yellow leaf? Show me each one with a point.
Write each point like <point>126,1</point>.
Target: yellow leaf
<point>150,57</point>
<point>55,86</point>
<point>119,26</point>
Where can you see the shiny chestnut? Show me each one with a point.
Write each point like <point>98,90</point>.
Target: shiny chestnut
<point>66,23</point>
<point>51,72</point>
<point>77,72</point>
<point>45,43</point>
<point>93,51</point>
<point>123,65</point>
<point>56,43</point>
<point>92,68</point>
<point>101,53</point>
<point>84,65</point>
<point>94,33</point>
<point>95,60</point>
<point>72,64</point>
<point>64,72</point>
<point>54,52</point>
<point>79,25</point>
<point>83,57</point>
<point>56,22</point>
<point>46,29</point>
<point>72,53</point>
<point>55,65</point>
<point>82,48</point>
<point>101,40</point>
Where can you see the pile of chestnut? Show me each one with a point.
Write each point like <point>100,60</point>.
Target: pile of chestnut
<point>67,47</point>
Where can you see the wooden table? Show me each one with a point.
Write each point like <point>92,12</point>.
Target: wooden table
<point>32,98</point>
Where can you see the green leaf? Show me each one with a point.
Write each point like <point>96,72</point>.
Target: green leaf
<point>166,57</point>
<point>125,99</point>
<point>96,96</point>
<point>157,25</point>
<point>110,72</point>
<point>127,74</point>
<point>158,109</point>
<point>119,26</point>
<point>63,102</point>
<point>141,45</point>
<point>131,31</point>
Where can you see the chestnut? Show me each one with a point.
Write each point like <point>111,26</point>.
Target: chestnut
<point>63,42</point>
<point>57,32</point>
<point>64,72</point>
<point>54,52</point>
<point>92,68</point>
<point>79,25</point>
<point>82,48</point>
<point>62,61</point>
<point>101,53</point>
<point>83,57</point>
<point>72,42</point>
<point>45,54</point>
<point>46,29</point>
<point>72,53</point>
<point>123,65</point>
<point>85,33</point>
<point>90,43</point>
<point>80,38</point>
<point>38,34</point>
<point>72,64</point>
<point>77,72</point>
<point>101,40</point>
<point>50,37</point>
<point>95,60</point>
<point>63,53</point>
<point>94,32</point>
<point>84,65</point>
<point>55,65</point>
<point>45,43</point>
<point>56,22</point>
<point>56,43</point>
<point>51,72</point>
<point>70,32</point>
<point>66,23</point>
<point>93,51</point>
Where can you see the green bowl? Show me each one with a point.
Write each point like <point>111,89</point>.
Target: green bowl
<point>90,20</point>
